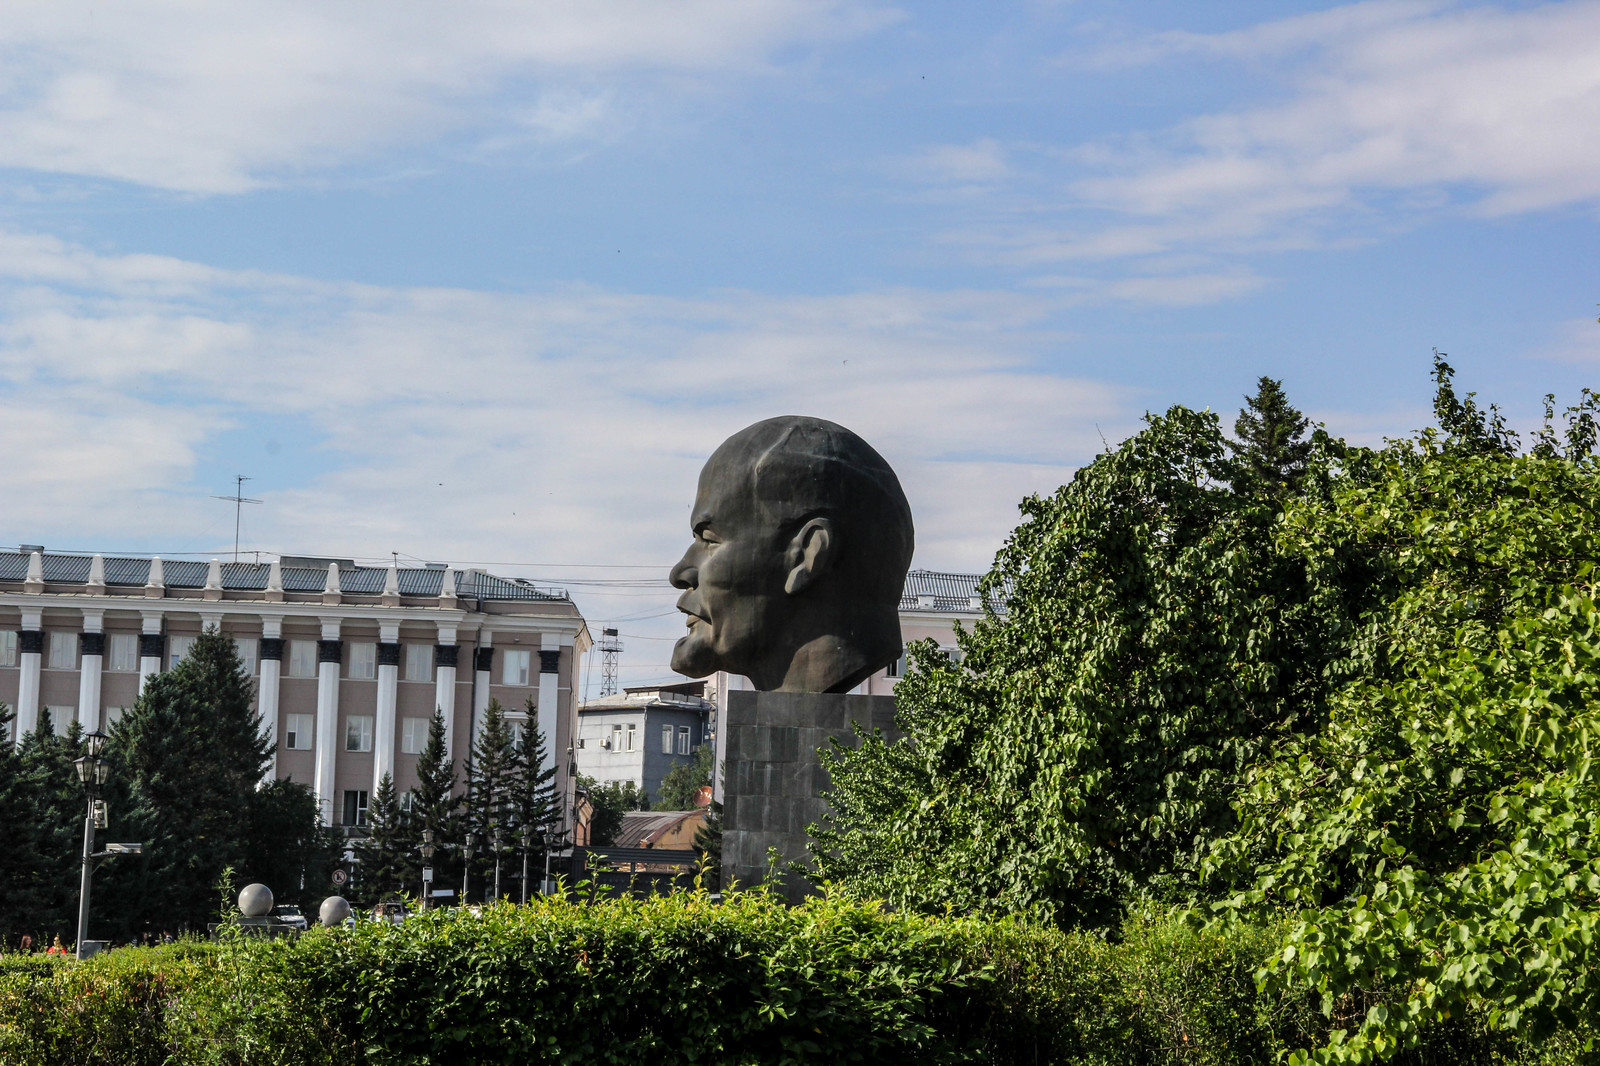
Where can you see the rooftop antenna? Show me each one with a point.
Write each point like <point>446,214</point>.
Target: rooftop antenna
<point>238,500</point>
<point>610,648</point>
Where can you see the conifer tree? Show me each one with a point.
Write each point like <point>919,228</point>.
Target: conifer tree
<point>51,830</point>
<point>386,863</point>
<point>534,804</point>
<point>435,804</point>
<point>188,754</point>
<point>491,774</point>
<point>1270,452</point>
<point>21,863</point>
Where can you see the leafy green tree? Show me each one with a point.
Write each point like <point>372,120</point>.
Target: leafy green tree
<point>386,860</point>
<point>1465,426</point>
<point>1435,843</point>
<point>1272,451</point>
<point>610,802</point>
<point>680,787</point>
<point>1155,642</point>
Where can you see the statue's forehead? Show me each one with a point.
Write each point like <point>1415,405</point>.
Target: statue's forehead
<point>724,491</point>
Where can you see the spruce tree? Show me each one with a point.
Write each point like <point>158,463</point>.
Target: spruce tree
<point>21,863</point>
<point>190,752</point>
<point>534,803</point>
<point>434,804</point>
<point>386,863</point>
<point>491,773</point>
<point>51,830</point>
<point>1270,452</point>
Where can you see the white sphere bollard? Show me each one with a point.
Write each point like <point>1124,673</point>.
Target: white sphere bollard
<point>255,901</point>
<point>335,909</point>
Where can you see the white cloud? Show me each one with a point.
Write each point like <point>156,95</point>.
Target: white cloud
<point>1395,110</point>
<point>564,425</point>
<point>224,98</point>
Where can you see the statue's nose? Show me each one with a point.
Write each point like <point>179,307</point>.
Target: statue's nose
<point>684,575</point>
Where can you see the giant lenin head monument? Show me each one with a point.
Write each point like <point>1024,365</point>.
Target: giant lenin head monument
<point>802,540</point>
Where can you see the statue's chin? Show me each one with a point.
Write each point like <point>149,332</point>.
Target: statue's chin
<point>692,659</point>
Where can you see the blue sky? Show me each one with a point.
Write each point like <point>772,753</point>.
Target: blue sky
<point>487,282</point>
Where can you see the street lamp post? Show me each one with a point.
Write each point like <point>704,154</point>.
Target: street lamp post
<point>497,839</point>
<point>525,835</point>
<point>92,772</point>
<point>469,849</point>
<point>427,870</point>
<point>547,831</point>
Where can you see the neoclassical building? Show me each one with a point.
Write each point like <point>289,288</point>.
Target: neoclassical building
<point>349,662</point>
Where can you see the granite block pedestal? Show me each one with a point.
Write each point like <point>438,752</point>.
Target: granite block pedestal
<point>773,778</point>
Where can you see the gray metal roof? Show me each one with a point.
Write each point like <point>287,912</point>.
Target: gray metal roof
<point>415,581</point>
<point>948,592</point>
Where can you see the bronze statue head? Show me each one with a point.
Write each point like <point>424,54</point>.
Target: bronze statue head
<point>802,539</point>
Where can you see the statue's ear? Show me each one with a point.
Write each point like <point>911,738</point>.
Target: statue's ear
<point>810,554</point>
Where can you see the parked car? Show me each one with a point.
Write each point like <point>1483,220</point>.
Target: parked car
<point>289,915</point>
<point>391,911</point>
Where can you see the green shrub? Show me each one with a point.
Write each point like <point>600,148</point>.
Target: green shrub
<point>682,980</point>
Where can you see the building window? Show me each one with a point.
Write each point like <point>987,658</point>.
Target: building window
<point>616,738</point>
<point>666,739</point>
<point>297,732</point>
<point>61,718</point>
<point>408,801</point>
<point>124,648</point>
<point>413,735</point>
<point>8,648</point>
<point>355,806</point>
<point>514,670</point>
<point>518,727</point>
<point>358,733</point>
<point>63,651</point>
<point>632,732</point>
<point>896,668</point>
<point>419,662</point>
<point>177,648</point>
<point>114,715</point>
<point>302,658</point>
<point>249,649</point>
<point>683,740</point>
<point>363,661</point>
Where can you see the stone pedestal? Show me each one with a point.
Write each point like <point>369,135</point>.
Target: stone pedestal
<point>772,775</point>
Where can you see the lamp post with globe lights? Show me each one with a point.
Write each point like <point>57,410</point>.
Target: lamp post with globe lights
<point>92,772</point>
<point>497,841</point>
<point>525,837</point>
<point>427,869</point>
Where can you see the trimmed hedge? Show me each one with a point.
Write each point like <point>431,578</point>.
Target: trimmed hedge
<point>678,980</point>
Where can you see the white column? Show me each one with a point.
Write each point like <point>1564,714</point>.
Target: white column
<point>483,664</point>
<point>388,686</point>
<point>30,644</point>
<point>92,645</point>
<point>444,683</point>
<point>330,654</point>
<point>549,693</point>
<point>150,647</point>
<point>267,694</point>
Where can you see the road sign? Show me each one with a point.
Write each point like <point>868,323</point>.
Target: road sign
<point>443,893</point>
<point>340,877</point>
<point>427,873</point>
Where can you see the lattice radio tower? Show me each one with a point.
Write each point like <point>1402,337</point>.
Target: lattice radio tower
<point>610,648</point>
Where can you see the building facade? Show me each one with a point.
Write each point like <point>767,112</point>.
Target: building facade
<point>349,662</point>
<point>641,735</point>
